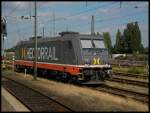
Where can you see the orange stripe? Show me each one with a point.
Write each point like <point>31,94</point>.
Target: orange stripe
<point>64,68</point>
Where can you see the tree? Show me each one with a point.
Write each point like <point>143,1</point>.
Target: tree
<point>132,36</point>
<point>119,46</point>
<point>10,49</point>
<point>128,36</point>
<point>98,34</point>
<point>139,46</point>
<point>130,41</point>
<point>141,50</point>
<point>146,50</point>
<point>107,41</point>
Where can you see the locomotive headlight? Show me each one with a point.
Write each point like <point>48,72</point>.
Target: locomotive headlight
<point>108,65</point>
<point>109,73</point>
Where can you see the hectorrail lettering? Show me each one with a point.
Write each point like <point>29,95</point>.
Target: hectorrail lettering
<point>43,53</point>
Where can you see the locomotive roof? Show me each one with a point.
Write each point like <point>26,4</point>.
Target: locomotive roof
<point>64,37</point>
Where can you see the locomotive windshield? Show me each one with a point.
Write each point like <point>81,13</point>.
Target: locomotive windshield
<point>92,44</point>
<point>86,44</point>
<point>99,43</point>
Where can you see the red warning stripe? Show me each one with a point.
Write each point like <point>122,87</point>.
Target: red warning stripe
<point>73,70</point>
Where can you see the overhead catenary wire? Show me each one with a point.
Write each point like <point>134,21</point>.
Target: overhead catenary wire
<point>30,10</point>
<point>115,25</point>
<point>12,11</point>
<point>91,9</point>
<point>104,20</point>
<point>4,9</point>
<point>81,12</point>
<point>112,18</point>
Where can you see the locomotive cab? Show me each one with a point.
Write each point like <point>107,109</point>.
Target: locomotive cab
<point>94,52</point>
<point>95,57</point>
<point>91,57</point>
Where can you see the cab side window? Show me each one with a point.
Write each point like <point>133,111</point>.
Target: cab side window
<point>69,44</point>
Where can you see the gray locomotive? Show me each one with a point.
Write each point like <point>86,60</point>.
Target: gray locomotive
<point>72,56</point>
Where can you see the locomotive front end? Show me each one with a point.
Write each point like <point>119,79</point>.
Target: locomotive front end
<point>95,60</point>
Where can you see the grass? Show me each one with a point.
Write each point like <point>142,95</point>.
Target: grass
<point>133,70</point>
<point>80,98</point>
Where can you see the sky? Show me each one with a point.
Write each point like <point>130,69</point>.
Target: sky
<point>58,16</point>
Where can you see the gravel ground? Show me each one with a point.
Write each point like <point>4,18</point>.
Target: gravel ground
<point>129,87</point>
<point>6,107</point>
<point>79,98</point>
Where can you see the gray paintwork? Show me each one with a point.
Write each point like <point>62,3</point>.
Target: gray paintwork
<point>68,49</point>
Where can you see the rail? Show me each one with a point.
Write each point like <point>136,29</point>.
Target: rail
<point>32,99</point>
<point>123,93</point>
<point>131,75</point>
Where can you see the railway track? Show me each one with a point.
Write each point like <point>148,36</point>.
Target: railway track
<point>32,99</point>
<point>131,75</point>
<point>129,81</point>
<point>127,93</point>
<point>123,93</point>
<point>32,102</point>
<point>128,63</point>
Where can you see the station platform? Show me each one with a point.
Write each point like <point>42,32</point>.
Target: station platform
<point>10,104</point>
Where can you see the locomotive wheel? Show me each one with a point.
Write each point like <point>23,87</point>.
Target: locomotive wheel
<point>64,77</point>
<point>18,69</point>
<point>72,79</point>
<point>109,75</point>
<point>102,75</point>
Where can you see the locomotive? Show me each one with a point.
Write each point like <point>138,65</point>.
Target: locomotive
<point>74,57</point>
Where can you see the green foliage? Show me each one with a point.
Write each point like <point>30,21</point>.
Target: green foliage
<point>128,38</point>
<point>130,41</point>
<point>134,70</point>
<point>138,46</point>
<point>10,50</point>
<point>146,50</point>
<point>119,47</point>
<point>8,57</point>
<point>141,49</point>
<point>107,41</point>
<point>98,34</point>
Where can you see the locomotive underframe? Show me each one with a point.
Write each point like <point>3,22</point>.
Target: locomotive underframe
<point>65,72</point>
<point>95,74</point>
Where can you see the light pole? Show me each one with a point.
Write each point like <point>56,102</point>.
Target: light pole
<point>54,23</point>
<point>92,26</point>
<point>35,40</point>
<point>43,31</point>
<point>42,26</point>
<point>35,47</point>
<point>3,49</point>
<point>3,37</point>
